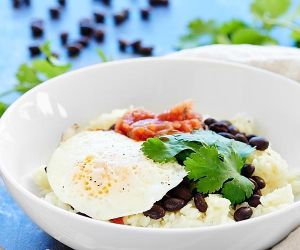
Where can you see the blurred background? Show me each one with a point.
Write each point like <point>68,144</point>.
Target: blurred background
<point>42,39</point>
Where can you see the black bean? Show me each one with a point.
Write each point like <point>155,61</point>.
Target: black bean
<point>106,2</point>
<point>74,49</point>
<point>62,2</point>
<point>200,202</point>
<point>125,13</point>
<point>250,136</point>
<point>218,127</point>
<point>255,185</point>
<point>99,17</point>
<point>37,28</point>
<point>136,45</point>
<point>156,3</point>
<point>227,135</point>
<point>112,127</point>
<point>182,192</point>
<point>173,204</point>
<point>145,13</point>
<point>228,123</point>
<point>34,50</point>
<point>82,214</point>
<point>64,38</point>
<point>259,143</point>
<point>243,213</point>
<point>99,35</point>
<point>145,51</point>
<point>241,137</point>
<point>86,27</point>
<point>259,181</point>
<point>84,41</point>
<point>254,201</point>
<point>209,121</point>
<point>258,192</point>
<point>27,2</point>
<point>247,170</point>
<point>233,130</point>
<point>16,4</point>
<point>54,13</point>
<point>156,212</point>
<point>123,45</point>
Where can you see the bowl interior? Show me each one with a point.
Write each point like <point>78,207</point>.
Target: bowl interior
<point>31,129</point>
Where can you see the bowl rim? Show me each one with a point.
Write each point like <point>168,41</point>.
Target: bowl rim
<point>7,177</point>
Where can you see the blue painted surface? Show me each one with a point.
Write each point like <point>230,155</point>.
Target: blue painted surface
<point>17,232</point>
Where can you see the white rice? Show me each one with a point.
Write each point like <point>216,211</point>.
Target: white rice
<point>281,184</point>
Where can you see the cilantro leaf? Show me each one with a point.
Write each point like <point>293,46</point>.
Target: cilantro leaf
<point>206,167</point>
<point>251,36</point>
<point>3,107</point>
<point>174,144</point>
<point>48,69</point>
<point>212,174</point>
<point>270,8</point>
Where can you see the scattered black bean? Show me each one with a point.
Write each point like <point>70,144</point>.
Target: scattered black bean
<point>136,45</point>
<point>99,35</point>
<point>62,3</point>
<point>254,201</point>
<point>37,28</point>
<point>123,45</point>
<point>145,13</point>
<point>233,130</point>
<point>106,2</point>
<point>82,214</point>
<point>259,181</point>
<point>247,170</point>
<point>218,127</point>
<point>145,51</point>
<point>86,27</point>
<point>174,204</point>
<point>243,213</point>
<point>255,185</point>
<point>74,49</point>
<point>227,135</point>
<point>182,192</point>
<point>156,212</point>
<point>241,137</point>
<point>259,143</point>
<point>209,121</point>
<point>27,2</point>
<point>84,41</point>
<point>156,3</point>
<point>34,50</point>
<point>99,17</point>
<point>200,203</point>
<point>54,13</point>
<point>64,38</point>
<point>16,4</point>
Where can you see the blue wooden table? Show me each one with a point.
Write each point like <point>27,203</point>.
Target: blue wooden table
<point>17,231</point>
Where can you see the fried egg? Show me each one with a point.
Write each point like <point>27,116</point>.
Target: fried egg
<point>106,175</point>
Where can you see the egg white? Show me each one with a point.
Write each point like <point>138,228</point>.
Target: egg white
<point>106,175</point>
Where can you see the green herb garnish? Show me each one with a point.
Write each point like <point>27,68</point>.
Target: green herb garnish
<point>212,161</point>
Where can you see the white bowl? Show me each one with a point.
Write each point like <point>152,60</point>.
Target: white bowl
<point>31,128</point>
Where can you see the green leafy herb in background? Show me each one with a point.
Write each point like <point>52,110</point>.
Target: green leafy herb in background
<point>212,161</point>
<point>267,15</point>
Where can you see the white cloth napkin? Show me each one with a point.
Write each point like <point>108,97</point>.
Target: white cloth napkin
<point>281,60</point>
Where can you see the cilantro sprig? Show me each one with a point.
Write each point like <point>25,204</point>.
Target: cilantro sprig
<point>267,15</point>
<point>31,75</point>
<point>212,161</point>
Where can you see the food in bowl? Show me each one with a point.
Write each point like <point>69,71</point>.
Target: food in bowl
<point>174,169</point>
